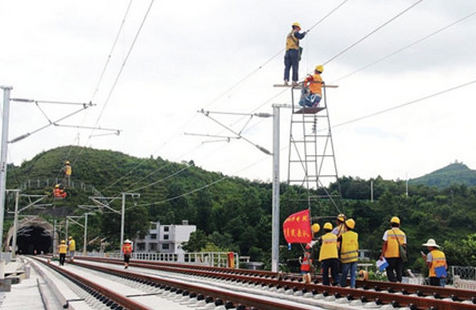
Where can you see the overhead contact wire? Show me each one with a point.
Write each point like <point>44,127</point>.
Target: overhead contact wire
<point>404,48</point>
<point>372,32</point>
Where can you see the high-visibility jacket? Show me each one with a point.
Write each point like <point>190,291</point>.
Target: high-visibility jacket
<point>127,249</point>
<point>315,83</point>
<point>306,262</point>
<point>72,245</point>
<point>292,43</point>
<point>59,192</point>
<point>328,247</point>
<point>68,170</point>
<point>62,248</point>
<point>349,251</point>
<point>439,260</point>
<point>395,236</point>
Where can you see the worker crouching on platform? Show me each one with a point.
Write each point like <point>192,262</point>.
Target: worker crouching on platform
<point>62,249</point>
<point>328,256</point>
<point>127,252</point>
<point>349,253</point>
<point>312,89</point>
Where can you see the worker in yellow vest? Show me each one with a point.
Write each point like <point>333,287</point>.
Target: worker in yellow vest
<point>62,249</point>
<point>349,253</point>
<point>71,247</point>
<point>392,239</point>
<point>293,54</point>
<point>328,256</point>
<point>67,173</point>
<point>436,262</point>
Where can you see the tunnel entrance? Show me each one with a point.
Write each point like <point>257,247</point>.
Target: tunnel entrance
<point>34,236</point>
<point>33,240</point>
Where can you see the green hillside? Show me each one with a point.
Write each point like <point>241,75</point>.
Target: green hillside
<point>235,214</point>
<point>455,173</point>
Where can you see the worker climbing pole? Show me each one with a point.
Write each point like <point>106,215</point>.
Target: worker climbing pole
<point>67,173</point>
<point>59,191</point>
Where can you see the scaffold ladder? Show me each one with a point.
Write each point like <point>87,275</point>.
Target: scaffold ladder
<point>312,162</point>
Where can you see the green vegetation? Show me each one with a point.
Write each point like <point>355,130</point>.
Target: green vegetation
<point>234,214</point>
<point>455,173</point>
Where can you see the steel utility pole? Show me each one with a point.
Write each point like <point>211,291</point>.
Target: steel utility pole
<point>15,224</point>
<point>276,193</point>
<point>123,213</point>
<point>3,159</point>
<point>85,241</point>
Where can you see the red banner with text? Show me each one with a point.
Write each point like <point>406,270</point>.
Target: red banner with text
<point>297,228</point>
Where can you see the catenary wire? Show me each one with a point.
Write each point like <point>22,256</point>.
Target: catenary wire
<point>247,77</point>
<point>339,125</point>
<point>118,74</point>
<point>403,48</point>
<point>372,32</point>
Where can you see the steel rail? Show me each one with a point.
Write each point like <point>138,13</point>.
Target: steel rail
<point>378,294</point>
<point>236,298</point>
<point>121,300</point>
<point>421,290</point>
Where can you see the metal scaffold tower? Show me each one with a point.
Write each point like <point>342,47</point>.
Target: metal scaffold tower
<point>312,162</point>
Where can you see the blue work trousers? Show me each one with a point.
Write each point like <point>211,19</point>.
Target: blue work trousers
<point>291,60</point>
<point>352,267</point>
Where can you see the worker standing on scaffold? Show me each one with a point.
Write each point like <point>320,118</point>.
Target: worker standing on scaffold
<point>312,88</point>
<point>293,54</point>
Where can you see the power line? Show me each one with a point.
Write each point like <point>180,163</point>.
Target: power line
<point>372,32</point>
<point>341,124</point>
<point>120,71</point>
<point>405,104</point>
<point>96,89</point>
<point>404,48</point>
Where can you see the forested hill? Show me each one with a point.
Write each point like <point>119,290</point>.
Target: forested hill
<point>235,214</point>
<point>455,173</point>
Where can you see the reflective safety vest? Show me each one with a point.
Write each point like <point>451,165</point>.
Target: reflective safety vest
<point>439,260</point>
<point>306,262</point>
<point>72,245</point>
<point>392,244</point>
<point>292,43</point>
<point>315,84</point>
<point>349,251</point>
<point>67,170</point>
<point>127,249</point>
<point>62,248</point>
<point>328,247</point>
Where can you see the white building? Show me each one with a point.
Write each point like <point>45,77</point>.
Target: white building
<point>165,238</point>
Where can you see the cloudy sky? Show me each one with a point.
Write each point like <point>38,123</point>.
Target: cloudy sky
<point>404,107</point>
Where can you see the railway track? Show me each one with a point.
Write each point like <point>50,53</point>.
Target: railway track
<point>368,293</point>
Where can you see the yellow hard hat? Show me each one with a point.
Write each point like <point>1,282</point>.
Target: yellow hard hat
<point>395,220</point>
<point>57,185</point>
<point>62,241</point>
<point>319,68</point>
<point>328,226</point>
<point>67,162</point>
<point>70,237</point>
<point>315,227</point>
<point>296,24</point>
<point>341,218</point>
<point>350,223</point>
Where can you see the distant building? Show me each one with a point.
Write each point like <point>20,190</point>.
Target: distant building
<point>165,238</point>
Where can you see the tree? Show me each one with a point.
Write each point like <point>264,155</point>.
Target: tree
<point>197,241</point>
